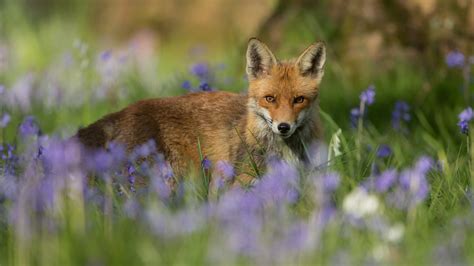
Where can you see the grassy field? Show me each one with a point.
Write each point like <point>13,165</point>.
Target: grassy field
<point>393,184</point>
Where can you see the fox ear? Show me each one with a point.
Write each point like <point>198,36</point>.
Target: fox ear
<point>311,61</point>
<point>259,59</point>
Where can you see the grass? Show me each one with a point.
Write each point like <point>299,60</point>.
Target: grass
<point>105,228</point>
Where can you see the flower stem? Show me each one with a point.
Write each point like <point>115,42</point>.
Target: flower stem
<point>360,126</point>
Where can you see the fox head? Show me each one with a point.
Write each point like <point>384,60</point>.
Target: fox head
<point>283,94</point>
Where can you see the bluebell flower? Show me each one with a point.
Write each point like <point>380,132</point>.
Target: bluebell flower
<point>226,170</point>
<point>401,113</point>
<point>4,120</point>
<point>330,182</point>
<point>424,164</point>
<point>464,126</point>
<point>201,70</point>
<point>467,114</point>
<point>204,86</point>
<point>355,115</point>
<point>385,180</point>
<point>368,96</point>
<point>144,150</point>
<point>455,59</point>
<point>131,177</point>
<point>414,180</point>
<point>104,56</point>
<point>279,184</point>
<point>187,85</point>
<point>206,163</point>
<point>384,151</point>
<point>464,118</point>
<point>29,127</point>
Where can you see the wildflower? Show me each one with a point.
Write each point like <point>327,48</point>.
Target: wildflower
<point>464,118</point>
<point>201,70</point>
<point>466,115</point>
<point>355,115</point>
<point>368,96</point>
<point>29,127</point>
<point>455,59</point>
<point>131,177</point>
<point>384,151</point>
<point>395,233</point>
<point>106,55</point>
<point>331,182</point>
<point>279,184</point>
<point>2,89</point>
<point>360,204</point>
<point>225,169</point>
<point>206,163</point>
<point>144,150</point>
<point>401,113</point>
<point>424,164</point>
<point>464,126</point>
<point>204,86</point>
<point>413,181</point>
<point>4,120</point>
<point>187,85</point>
<point>385,180</point>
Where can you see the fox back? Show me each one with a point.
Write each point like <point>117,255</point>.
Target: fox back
<point>278,116</point>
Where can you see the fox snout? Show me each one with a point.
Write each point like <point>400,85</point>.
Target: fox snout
<point>283,129</point>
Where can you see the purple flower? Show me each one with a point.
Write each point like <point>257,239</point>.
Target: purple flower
<point>206,163</point>
<point>29,127</point>
<point>187,85</point>
<point>384,151</point>
<point>225,169</point>
<point>106,55</point>
<point>464,118</point>
<point>2,89</point>
<point>330,182</point>
<point>4,120</point>
<point>279,184</point>
<point>201,70</point>
<point>355,115</point>
<point>144,150</point>
<point>204,86</point>
<point>401,112</point>
<point>385,180</point>
<point>131,177</point>
<point>455,59</point>
<point>466,115</point>
<point>368,96</point>
<point>464,126</point>
<point>414,180</point>
<point>424,164</point>
<point>160,186</point>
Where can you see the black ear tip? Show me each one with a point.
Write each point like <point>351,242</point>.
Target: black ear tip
<point>321,44</point>
<point>254,39</point>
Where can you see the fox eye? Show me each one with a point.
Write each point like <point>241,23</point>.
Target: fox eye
<point>270,99</point>
<point>299,99</point>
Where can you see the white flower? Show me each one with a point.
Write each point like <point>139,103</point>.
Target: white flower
<point>395,233</point>
<point>359,203</point>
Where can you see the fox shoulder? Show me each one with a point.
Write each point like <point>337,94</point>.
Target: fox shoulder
<point>99,133</point>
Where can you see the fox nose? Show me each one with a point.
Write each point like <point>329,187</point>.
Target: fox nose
<point>284,128</point>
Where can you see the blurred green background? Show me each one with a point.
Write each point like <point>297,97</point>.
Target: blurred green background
<point>397,45</point>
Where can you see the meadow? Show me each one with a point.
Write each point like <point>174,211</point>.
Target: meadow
<point>393,183</point>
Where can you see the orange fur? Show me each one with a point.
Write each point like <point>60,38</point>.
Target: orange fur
<point>228,126</point>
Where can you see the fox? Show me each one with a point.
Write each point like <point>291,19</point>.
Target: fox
<point>278,116</point>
